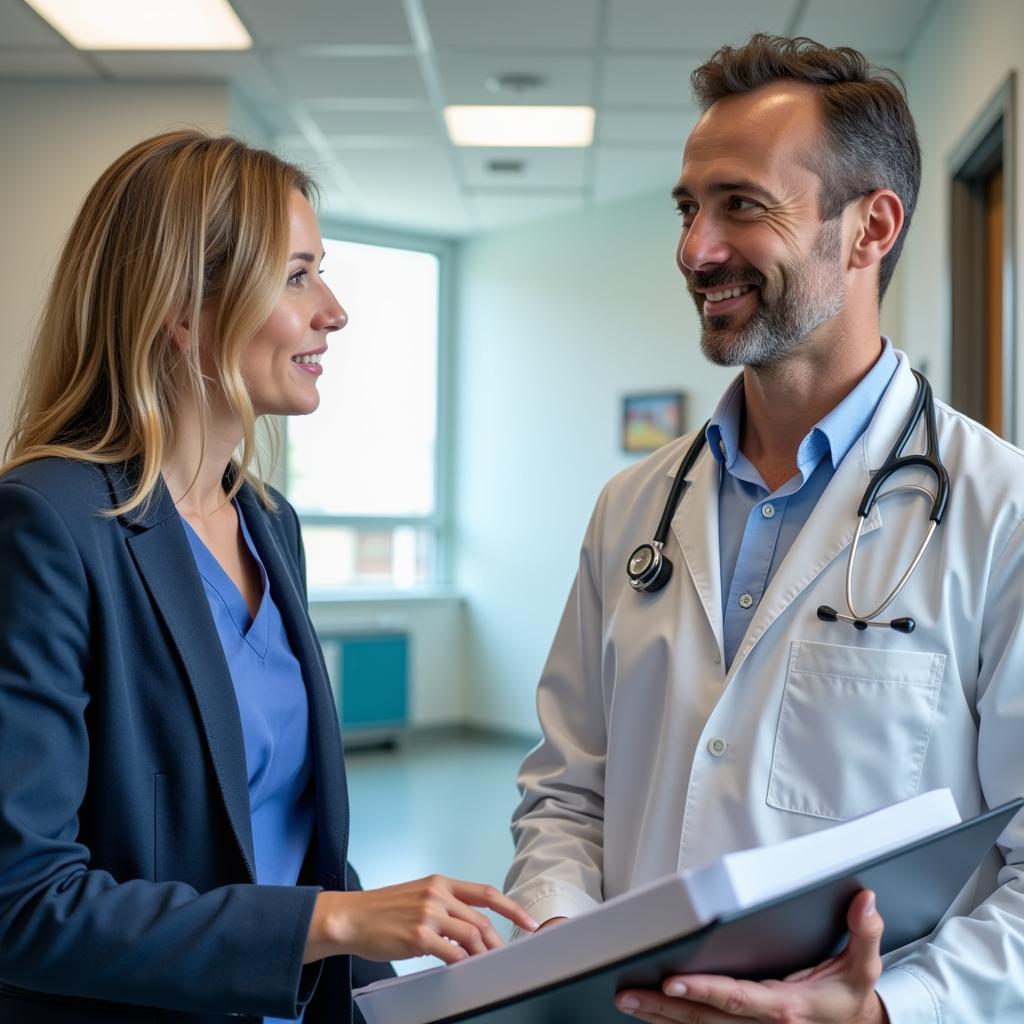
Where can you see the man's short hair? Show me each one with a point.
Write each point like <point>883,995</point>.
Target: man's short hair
<point>871,140</point>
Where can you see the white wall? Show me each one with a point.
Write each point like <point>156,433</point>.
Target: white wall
<point>960,59</point>
<point>57,139</point>
<point>556,321</point>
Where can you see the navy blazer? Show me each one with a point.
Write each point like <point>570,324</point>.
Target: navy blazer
<point>126,854</point>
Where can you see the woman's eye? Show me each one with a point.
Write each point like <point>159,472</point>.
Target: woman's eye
<point>297,277</point>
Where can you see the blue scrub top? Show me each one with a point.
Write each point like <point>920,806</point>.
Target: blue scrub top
<point>274,710</point>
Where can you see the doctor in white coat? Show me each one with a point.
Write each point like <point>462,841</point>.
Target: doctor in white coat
<point>720,712</point>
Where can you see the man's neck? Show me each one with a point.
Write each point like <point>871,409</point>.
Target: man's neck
<point>784,401</point>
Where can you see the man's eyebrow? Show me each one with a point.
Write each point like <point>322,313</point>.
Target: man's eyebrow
<point>307,257</point>
<point>751,188</point>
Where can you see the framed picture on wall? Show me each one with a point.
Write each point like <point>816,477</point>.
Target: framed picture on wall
<point>651,419</point>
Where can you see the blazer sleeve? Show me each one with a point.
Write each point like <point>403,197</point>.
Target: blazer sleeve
<point>67,928</point>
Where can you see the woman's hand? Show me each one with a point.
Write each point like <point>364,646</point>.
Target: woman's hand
<point>432,916</point>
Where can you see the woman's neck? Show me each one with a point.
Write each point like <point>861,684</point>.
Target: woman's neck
<point>194,464</point>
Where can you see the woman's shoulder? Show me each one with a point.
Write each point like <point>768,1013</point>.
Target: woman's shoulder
<point>71,486</point>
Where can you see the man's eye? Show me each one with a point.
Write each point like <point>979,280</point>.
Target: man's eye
<point>687,211</point>
<point>739,203</point>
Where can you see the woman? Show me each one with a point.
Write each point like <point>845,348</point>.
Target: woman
<point>173,814</point>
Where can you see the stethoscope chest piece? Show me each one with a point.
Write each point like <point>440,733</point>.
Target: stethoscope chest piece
<point>648,569</point>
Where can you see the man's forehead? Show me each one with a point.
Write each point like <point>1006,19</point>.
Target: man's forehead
<point>768,133</point>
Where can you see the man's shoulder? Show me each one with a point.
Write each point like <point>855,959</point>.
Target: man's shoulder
<point>658,465</point>
<point>966,441</point>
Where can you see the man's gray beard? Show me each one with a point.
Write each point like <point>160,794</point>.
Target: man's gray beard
<point>812,294</point>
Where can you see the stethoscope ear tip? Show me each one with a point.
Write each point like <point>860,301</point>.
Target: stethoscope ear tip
<point>827,614</point>
<point>904,625</point>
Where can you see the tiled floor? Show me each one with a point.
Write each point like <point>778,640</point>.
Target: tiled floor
<point>435,804</point>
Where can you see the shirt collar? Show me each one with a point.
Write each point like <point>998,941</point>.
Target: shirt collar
<point>834,433</point>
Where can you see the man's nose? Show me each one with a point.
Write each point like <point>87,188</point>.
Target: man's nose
<point>703,244</point>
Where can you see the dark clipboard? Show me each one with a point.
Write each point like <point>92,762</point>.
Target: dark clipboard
<point>915,885</point>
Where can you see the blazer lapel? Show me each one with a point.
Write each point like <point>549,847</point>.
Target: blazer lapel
<point>328,761</point>
<point>164,559</point>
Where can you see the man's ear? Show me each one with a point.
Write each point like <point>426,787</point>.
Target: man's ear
<point>878,222</point>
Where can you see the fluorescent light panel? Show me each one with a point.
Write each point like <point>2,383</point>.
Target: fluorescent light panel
<point>520,126</point>
<point>145,24</point>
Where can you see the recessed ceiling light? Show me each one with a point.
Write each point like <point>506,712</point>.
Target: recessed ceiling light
<point>520,126</point>
<point>145,24</point>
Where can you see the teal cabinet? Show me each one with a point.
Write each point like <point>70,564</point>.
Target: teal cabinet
<point>370,672</point>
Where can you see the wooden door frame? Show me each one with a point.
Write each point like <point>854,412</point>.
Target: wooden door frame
<point>991,139</point>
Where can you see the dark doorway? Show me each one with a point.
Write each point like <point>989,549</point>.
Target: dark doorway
<point>983,264</point>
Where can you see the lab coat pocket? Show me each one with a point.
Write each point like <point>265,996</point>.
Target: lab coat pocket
<point>853,728</point>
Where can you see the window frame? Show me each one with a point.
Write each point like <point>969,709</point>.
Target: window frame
<point>439,523</point>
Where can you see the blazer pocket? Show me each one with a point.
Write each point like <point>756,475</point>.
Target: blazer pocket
<point>853,728</point>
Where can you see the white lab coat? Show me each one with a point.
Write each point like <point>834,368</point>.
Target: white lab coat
<point>820,722</point>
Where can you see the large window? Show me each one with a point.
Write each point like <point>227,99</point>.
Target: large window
<point>363,470</point>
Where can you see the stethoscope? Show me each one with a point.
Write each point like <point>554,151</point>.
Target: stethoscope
<point>649,568</point>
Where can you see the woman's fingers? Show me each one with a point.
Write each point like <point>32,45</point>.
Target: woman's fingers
<point>487,896</point>
<point>480,924</point>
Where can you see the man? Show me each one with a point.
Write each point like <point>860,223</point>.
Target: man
<point>720,713</point>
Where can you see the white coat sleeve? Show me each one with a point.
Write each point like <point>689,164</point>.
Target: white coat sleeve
<point>973,968</point>
<point>559,824</point>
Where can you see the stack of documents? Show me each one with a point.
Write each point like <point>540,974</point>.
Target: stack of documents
<point>677,915</point>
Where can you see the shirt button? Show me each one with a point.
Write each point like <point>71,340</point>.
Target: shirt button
<point>767,510</point>
<point>717,746</point>
<point>746,600</point>
<point>721,445</point>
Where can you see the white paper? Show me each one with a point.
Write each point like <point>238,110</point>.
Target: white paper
<point>651,915</point>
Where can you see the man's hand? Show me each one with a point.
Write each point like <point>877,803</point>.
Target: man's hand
<point>838,991</point>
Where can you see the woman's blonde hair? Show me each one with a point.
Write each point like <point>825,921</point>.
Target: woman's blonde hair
<point>180,220</point>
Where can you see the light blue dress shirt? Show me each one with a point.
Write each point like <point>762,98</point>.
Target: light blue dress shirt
<point>756,528</point>
<point>273,706</point>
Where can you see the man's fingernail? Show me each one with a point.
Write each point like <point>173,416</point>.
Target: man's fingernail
<point>629,1003</point>
<point>869,907</point>
<point>675,988</point>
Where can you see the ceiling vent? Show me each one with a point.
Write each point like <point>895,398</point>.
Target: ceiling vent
<point>517,82</point>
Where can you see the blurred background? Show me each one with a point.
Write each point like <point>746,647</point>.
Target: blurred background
<point>505,298</point>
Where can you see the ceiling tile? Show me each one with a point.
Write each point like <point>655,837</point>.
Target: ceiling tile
<point>412,188</point>
<point>496,212</point>
<point>524,24</point>
<point>619,173</point>
<point>566,80</point>
<point>377,122</point>
<point>658,126</point>
<point>325,22</point>
<point>244,68</point>
<point>356,77</point>
<point>542,168</point>
<point>44,64</point>
<point>873,26</point>
<point>21,26</point>
<point>657,81</point>
<point>695,25</point>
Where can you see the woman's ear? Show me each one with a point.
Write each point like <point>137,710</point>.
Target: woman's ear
<point>178,332</point>
<point>879,220</point>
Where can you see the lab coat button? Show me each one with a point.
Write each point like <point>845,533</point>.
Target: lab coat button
<point>717,746</point>
<point>746,600</point>
<point>767,510</point>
